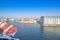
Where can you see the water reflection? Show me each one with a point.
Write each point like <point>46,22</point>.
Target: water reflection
<point>54,30</point>
<point>36,32</point>
<point>23,24</point>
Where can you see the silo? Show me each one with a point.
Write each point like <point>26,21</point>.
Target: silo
<point>51,21</point>
<point>46,21</point>
<point>58,20</point>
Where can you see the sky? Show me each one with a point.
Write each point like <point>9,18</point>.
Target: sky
<point>29,8</point>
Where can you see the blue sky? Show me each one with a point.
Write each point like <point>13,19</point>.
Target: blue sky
<point>29,8</point>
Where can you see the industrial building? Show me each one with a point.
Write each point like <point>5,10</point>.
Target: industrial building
<point>50,20</point>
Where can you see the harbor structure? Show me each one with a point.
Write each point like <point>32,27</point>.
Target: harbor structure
<point>50,20</point>
<point>28,20</point>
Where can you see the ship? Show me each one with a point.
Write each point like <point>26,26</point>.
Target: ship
<point>7,31</point>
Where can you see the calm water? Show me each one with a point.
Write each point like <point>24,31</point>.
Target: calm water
<point>36,32</point>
